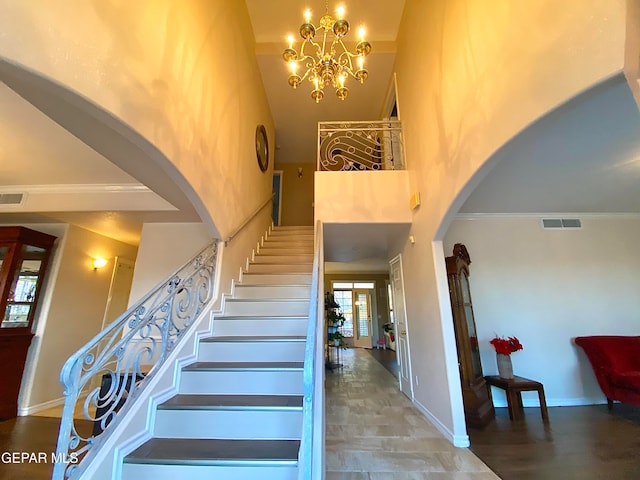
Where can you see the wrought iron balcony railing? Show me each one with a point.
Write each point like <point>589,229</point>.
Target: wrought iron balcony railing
<point>353,146</point>
<point>106,375</point>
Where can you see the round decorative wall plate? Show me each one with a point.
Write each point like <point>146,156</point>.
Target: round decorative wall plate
<point>262,147</point>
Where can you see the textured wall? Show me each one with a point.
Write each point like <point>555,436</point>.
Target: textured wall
<point>182,74</point>
<point>475,78</point>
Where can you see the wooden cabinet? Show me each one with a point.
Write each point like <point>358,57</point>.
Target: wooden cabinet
<point>24,256</point>
<point>476,394</point>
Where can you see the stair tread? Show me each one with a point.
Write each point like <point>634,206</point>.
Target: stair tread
<point>192,400</point>
<point>257,338</point>
<point>261,317</point>
<point>202,451</point>
<point>245,366</point>
<point>269,300</point>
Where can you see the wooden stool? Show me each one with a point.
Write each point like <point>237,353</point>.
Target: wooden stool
<point>514,387</point>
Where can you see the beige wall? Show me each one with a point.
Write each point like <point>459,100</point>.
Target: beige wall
<point>548,286</point>
<point>297,193</point>
<point>477,77</point>
<point>164,247</point>
<point>362,197</point>
<point>72,312</point>
<point>182,74</point>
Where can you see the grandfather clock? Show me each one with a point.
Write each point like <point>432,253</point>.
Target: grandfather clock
<point>476,394</point>
<point>24,255</point>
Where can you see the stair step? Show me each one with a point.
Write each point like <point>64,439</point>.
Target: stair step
<point>242,378</point>
<point>275,243</point>
<point>284,259</point>
<point>229,402</point>
<point>280,268</point>
<point>307,228</point>
<point>285,250</point>
<point>258,348</point>
<point>276,278</point>
<point>243,366</point>
<point>257,291</point>
<point>230,416</point>
<point>274,326</point>
<point>214,451</point>
<point>250,306</point>
<point>304,234</point>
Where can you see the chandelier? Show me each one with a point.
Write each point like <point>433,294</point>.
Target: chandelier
<point>327,62</point>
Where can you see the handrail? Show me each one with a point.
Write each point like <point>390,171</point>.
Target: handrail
<point>311,455</point>
<point>357,146</point>
<point>118,363</point>
<point>248,219</point>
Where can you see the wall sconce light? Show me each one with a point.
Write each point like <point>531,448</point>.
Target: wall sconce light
<point>99,262</point>
<point>299,172</point>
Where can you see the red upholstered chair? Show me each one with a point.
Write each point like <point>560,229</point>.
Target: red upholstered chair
<point>616,363</point>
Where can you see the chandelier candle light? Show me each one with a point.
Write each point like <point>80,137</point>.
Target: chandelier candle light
<point>329,62</point>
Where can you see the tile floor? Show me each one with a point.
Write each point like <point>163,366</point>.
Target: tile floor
<point>374,432</point>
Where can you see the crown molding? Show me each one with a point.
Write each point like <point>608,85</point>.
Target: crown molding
<point>538,215</point>
<point>86,188</point>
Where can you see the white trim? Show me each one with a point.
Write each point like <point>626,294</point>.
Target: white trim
<point>452,371</point>
<point>483,216</point>
<point>280,173</point>
<point>56,402</point>
<point>390,98</point>
<point>398,258</point>
<point>77,188</point>
<point>460,441</point>
<point>24,411</point>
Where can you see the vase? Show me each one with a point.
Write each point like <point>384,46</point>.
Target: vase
<point>505,368</point>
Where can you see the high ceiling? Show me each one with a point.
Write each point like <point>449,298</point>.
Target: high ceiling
<point>584,157</point>
<point>295,114</point>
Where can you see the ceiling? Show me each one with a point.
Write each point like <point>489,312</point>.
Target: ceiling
<point>584,157</point>
<point>295,114</point>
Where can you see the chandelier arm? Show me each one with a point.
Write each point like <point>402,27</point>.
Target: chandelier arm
<point>311,43</point>
<point>331,63</point>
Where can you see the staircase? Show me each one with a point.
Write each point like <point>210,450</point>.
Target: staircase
<point>238,414</point>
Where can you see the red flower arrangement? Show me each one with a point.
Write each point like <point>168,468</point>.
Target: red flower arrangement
<point>506,346</point>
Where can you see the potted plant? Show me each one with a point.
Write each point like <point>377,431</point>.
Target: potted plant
<point>337,338</point>
<point>335,319</point>
<point>504,348</point>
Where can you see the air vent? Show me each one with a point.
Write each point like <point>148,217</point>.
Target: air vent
<point>561,223</point>
<point>11,198</point>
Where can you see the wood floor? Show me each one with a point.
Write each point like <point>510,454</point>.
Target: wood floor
<point>36,436</point>
<point>581,443</point>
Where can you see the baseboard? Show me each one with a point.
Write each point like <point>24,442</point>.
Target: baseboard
<point>57,402</point>
<point>461,441</point>
<point>25,411</point>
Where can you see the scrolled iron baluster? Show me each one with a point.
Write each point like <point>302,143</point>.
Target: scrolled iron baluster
<point>144,335</point>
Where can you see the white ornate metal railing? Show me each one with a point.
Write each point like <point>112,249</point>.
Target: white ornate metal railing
<point>353,146</point>
<point>311,455</point>
<point>108,373</point>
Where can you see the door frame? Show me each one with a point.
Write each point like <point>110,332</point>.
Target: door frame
<point>356,326</point>
<point>399,354</point>
<point>278,173</point>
